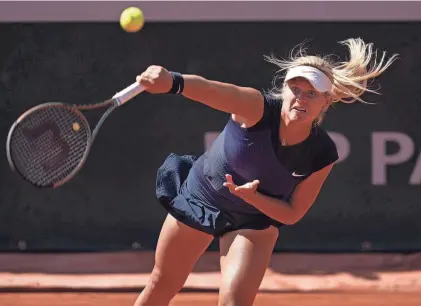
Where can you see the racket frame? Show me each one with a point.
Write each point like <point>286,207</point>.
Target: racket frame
<point>73,109</point>
<point>116,101</point>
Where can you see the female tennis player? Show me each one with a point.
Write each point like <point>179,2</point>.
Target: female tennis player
<point>264,171</point>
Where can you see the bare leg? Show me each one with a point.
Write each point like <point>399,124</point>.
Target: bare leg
<point>179,247</point>
<point>245,256</point>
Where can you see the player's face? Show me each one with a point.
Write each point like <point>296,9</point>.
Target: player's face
<point>301,102</point>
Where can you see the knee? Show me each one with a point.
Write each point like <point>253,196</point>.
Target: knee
<point>159,290</point>
<point>158,280</point>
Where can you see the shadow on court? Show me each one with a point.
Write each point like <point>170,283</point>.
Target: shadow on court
<point>208,299</point>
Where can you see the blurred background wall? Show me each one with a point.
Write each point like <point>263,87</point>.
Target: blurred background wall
<point>371,201</point>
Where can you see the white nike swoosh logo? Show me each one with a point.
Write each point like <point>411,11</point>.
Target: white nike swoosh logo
<point>297,175</point>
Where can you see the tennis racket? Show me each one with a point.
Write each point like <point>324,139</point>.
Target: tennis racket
<point>49,143</point>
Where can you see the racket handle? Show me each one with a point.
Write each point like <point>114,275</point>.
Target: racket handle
<point>128,93</point>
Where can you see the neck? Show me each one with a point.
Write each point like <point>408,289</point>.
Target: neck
<point>292,133</point>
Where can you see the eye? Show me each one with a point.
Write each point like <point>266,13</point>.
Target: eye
<point>295,90</point>
<point>312,94</point>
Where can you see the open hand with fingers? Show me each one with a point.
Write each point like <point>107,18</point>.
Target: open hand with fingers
<point>246,191</point>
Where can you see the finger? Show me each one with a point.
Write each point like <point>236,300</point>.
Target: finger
<point>141,78</point>
<point>229,178</point>
<point>255,183</point>
<point>145,79</point>
<point>150,79</point>
<point>233,191</point>
<point>229,185</point>
<point>248,186</point>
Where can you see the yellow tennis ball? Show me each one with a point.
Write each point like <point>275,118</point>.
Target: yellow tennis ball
<point>131,19</point>
<point>76,126</point>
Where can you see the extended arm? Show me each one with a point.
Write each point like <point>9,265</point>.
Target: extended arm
<point>245,104</point>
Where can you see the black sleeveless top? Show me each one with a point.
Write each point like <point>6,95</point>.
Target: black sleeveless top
<point>256,153</point>
<point>311,155</point>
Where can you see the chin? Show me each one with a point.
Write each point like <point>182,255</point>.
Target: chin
<point>299,118</point>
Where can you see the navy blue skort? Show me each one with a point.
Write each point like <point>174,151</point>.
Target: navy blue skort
<point>173,194</point>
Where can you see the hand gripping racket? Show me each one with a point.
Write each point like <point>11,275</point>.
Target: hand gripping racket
<point>49,143</point>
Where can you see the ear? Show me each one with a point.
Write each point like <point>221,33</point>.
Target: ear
<point>329,101</point>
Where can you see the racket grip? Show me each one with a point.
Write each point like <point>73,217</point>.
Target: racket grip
<point>128,93</point>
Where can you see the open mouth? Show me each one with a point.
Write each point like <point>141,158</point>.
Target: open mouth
<point>300,109</point>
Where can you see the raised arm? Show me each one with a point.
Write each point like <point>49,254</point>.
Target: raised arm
<point>244,103</point>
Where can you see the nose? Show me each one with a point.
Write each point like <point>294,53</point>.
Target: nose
<point>300,95</point>
<point>301,99</point>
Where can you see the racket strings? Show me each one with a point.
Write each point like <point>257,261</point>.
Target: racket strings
<point>49,144</point>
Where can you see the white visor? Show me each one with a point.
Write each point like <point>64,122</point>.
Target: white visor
<point>317,78</point>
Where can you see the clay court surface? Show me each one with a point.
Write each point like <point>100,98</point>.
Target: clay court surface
<point>208,299</point>
<point>115,279</point>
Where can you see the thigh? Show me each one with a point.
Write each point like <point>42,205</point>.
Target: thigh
<point>245,256</point>
<point>179,247</point>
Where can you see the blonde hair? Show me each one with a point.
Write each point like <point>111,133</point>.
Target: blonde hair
<point>349,78</point>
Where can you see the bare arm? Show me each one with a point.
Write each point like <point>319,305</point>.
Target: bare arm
<point>302,199</point>
<point>244,103</point>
